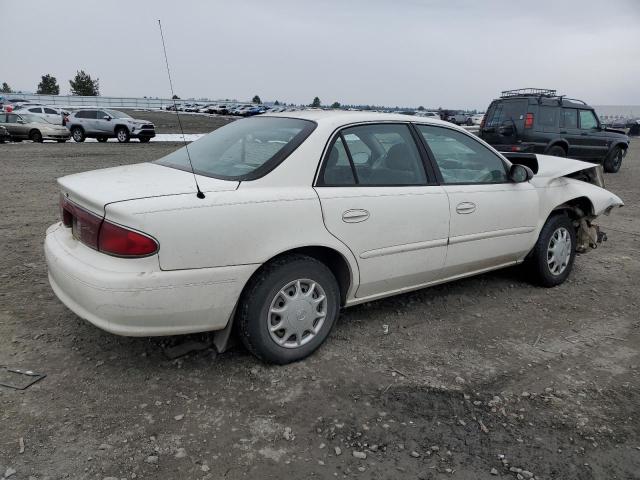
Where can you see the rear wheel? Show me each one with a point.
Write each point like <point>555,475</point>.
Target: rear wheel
<point>78,134</point>
<point>552,257</point>
<point>613,162</point>
<point>122,134</point>
<point>288,309</point>
<point>556,151</point>
<point>35,136</point>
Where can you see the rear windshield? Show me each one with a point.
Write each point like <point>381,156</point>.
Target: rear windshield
<point>505,111</point>
<point>244,149</point>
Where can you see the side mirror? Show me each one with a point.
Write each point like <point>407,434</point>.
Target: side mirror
<point>106,117</point>
<point>519,173</point>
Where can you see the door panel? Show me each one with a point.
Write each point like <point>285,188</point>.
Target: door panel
<point>491,224</point>
<point>397,234</point>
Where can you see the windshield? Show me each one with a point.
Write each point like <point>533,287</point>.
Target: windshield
<point>117,114</point>
<point>244,149</point>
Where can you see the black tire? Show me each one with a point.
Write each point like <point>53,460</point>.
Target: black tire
<point>254,317</point>
<point>102,139</point>
<point>613,162</point>
<point>144,139</point>
<point>122,134</point>
<point>35,136</point>
<point>556,151</point>
<point>78,134</point>
<point>539,261</point>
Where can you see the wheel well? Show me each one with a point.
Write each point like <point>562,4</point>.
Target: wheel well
<point>32,131</point>
<point>576,208</point>
<point>76,126</point>
<point>330,257</point>
<point>560,143</point>
<point>115,129</point>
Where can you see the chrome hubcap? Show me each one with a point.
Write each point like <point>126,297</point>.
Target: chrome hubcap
<point>559,251</point>
<point>297,313</point>
<point>121,135</point>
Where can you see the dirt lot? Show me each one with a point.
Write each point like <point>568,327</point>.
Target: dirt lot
<point>482,374</point>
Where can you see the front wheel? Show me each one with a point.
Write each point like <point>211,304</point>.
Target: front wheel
<point>122,134</point>
<point>288,309</point>
<point>556,151</point>
<point>613,162</point>
<point>78,134</point>
<point>552,257</point>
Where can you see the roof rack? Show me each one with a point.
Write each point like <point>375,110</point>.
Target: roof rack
<point>526,92</point>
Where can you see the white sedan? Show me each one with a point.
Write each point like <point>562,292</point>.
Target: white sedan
<point>296,215</point>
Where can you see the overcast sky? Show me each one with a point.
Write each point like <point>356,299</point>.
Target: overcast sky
<point>449,53</point>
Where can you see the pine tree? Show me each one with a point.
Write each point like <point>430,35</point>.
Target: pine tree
<point>84,85</point>
<point>316,102</point>
<point>48,85</point>
<point>256,99</point>
<point>6,88</point>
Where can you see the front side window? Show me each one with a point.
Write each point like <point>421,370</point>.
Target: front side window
<point>588,120</point>
<point>383,154</point>
<point>50,111</point>
<point>244,149</point>
<point>461,159</point>
<point>569,118</point>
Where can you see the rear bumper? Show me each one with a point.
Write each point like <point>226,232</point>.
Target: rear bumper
<point>133,297</point>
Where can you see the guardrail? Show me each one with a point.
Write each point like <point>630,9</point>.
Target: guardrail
<point>114,102</point>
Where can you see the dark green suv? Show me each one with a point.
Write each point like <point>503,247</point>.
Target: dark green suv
<point>533,120</point>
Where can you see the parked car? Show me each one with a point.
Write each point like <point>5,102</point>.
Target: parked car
<point>4,134</point>
<point>460,118</point>
<point>297,215</point>
<point>540,121</point>
<point>433,115</point>
<point>106,123</point>
<point>27,126</point>
<point>477,119</point>
<point>51,114</point>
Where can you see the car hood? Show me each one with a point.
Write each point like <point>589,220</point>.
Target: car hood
<point>95,189</point>
<point>555,167</point>
<point>613,130</point>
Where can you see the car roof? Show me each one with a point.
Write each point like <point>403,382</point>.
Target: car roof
<point>347,117</point>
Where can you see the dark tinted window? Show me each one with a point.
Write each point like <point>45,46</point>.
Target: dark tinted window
<point>86,114</point>
<point>35,110</point>
<point>461,158</point>
<point>569,118</point>
<point>244,149</point>
<point>337,169</point>
<point>505,111</point>
<point>50,111</point>
<point>547,116</point>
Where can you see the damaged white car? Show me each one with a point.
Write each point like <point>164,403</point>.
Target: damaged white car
<point>296,215</point>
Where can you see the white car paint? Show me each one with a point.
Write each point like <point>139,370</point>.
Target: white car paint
<point>411,237</point>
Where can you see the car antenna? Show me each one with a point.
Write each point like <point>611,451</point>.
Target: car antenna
<point>173,98</point>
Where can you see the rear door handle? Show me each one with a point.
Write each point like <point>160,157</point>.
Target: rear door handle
<point>465,208</point>
<point>355,216</point>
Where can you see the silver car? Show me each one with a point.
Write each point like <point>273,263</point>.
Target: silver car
<point>26,126</point>
<point>106,123</point>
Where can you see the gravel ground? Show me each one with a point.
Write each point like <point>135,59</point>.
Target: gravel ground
<point>483,378</point>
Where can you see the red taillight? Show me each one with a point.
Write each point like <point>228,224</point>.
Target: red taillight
<point>528,120</point>
<point>120,241</point>
<point>515,148</point>
<point>102,235</point>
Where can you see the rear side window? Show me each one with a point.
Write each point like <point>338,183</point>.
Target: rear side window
<point>569,118</point>
<point>547,116</point>
<point>244,149</point>
<point>505,112</point>
<point>587,120</point>
<point>50,111</point>
<point>378,154</point>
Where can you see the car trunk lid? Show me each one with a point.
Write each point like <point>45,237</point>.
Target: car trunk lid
<point>95,189</point>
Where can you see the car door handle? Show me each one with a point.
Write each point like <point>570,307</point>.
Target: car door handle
<point>355,216</point>
<point>465,208</point>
